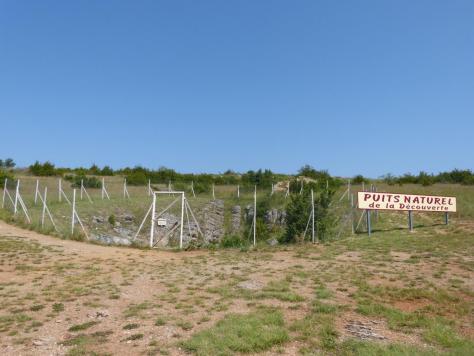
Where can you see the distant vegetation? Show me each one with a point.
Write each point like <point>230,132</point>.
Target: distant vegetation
<point>140,175</point>
<point>458,176</point>
<point>7,163</point>
<point>262,178</point>
<point>43,169</point>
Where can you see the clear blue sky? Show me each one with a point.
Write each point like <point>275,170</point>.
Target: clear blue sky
<point>350,86</point>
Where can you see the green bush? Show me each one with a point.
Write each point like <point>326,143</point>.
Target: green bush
<point>43,169</point>
<point>359,179</point>
<point>6,175</point>
<point>298,212</point>
<point>233,241</point>
<point>201,187</point>
<point>137,178</point>
<point>88,182</point>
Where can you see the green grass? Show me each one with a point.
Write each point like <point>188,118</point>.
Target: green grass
<point>245,333</point>
<point>131,326</point>
<point>83,326</point>
<point>366,348</point>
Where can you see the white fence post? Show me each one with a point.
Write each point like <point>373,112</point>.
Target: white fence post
<point>15,205</point>
<point>73,210</point>
<point>152,229</point>
<point>36,191</point>
<point>44,206</point>
<point>182,222</point>
<point>255,216</point>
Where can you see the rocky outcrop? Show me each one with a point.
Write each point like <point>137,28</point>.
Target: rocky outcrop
<point>236,218</point>
<point>213,222</point>
<point>111,240</point>
<point>275,217</point>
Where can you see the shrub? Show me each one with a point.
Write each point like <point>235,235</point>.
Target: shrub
<point>298,212</point>
<point>200,187</point>
<point>88,182</point>
<point>5,175</point>
<point>137,178</point>
<point>359,179</point>
<point>233,241</point>
<point>45,169</point>
<point>112,219</point>
<point>106,171</point>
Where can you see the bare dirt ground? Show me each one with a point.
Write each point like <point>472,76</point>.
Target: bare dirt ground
<point>65,297</point>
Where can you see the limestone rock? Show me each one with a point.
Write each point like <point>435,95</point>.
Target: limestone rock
<point>236,218</point>
<point>213,221</point>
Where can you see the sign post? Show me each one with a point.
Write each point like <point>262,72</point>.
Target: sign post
<point>410,220</point>
<point>369,228</point>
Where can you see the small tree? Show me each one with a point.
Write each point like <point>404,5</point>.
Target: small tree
<point>45,169</point>
<point>137,178</point>
<point>359,179</point>
<point>298,213</point>
<point>9,163</point>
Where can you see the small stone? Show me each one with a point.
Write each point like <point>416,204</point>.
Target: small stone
<point>272,242</point>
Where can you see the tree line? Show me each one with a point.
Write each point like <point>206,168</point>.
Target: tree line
<point>456,176</point>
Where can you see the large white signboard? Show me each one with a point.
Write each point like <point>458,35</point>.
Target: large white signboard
<point>393,201</point>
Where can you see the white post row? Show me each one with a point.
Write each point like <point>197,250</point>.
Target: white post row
<point>238,191</point>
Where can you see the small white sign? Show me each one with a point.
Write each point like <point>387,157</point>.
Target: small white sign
<point>161,222</point>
